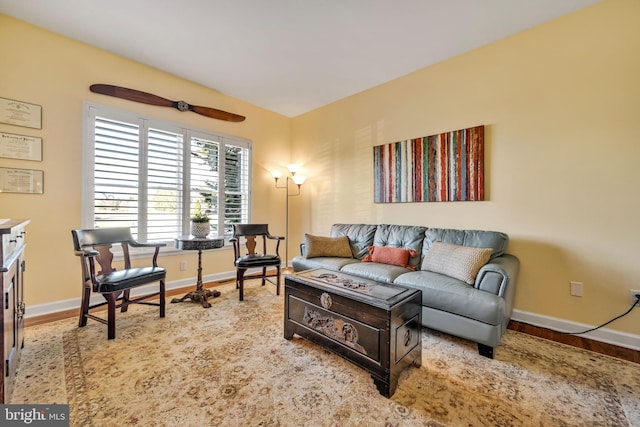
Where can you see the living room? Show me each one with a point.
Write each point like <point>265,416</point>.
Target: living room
<point>560,106</point>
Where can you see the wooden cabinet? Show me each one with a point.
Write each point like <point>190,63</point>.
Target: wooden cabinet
<point>12,271</point>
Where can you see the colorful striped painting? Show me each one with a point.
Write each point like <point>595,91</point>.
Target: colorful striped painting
<point>439,168</point>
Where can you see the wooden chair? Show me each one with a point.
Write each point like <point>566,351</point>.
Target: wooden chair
<point>249,236</point>
<point>93,246</point>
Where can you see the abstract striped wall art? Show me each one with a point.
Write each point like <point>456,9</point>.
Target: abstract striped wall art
<point>438,168</point>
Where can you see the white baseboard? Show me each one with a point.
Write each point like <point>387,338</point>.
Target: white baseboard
<point>74,303</point>
<point>608,336</point>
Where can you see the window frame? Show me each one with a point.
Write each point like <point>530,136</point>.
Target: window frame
<point>92,110</point>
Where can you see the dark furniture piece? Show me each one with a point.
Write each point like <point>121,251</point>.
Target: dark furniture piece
<point>12,267</point>
<point>376,326</point>
<point>252,237</point>
<point>93,247</point>
<point>191,243</point>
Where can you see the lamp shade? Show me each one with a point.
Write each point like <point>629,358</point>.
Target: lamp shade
<point>298,179</point>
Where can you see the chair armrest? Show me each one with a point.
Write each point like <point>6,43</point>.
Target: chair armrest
<point>498,275</point>
<point>87,253</point>
<point>158,245</point>
<point>303,249</point>
<point>135,244</point>
<point>269,236</point>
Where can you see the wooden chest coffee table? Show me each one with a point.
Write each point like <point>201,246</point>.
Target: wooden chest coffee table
<point>374,325</point>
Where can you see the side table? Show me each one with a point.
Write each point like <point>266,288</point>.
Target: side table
<point>190,243</point>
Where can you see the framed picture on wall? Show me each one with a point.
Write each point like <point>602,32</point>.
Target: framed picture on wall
<point>21,181</point>
<point>20,113</point>
<point>20,147</point>
<point>446,167</point>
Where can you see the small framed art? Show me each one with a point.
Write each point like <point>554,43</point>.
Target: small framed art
<point>20,147</point>
<point>21,181</point>
<point>20,113</point>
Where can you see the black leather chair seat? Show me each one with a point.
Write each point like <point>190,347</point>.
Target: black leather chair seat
<point>257,260</point>
<point>119,280</point>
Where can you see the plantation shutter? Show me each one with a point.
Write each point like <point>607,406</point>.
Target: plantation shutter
<point>220,183</point>
<point>164,185</point>
<point>236,186</point>
<point>116,178</point>
<point>148,175</point>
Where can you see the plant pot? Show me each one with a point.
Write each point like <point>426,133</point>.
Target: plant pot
<point>200,229</point>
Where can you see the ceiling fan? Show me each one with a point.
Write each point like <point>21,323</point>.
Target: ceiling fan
<point>148,98</point>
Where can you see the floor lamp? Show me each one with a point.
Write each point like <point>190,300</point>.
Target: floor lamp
<point>298,180</point>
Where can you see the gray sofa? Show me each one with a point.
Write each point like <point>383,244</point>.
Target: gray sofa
<point>478,309</point>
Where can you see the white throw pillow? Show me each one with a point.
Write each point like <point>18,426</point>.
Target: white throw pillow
<point>460,262</point>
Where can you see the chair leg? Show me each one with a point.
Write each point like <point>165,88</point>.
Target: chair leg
<point>240,282</point>
<point>162,298</point>
<point>278,280</point>
<point>84,306</point>
<point>111,314</point>
<point>124,306</point>
<point>264,275</point>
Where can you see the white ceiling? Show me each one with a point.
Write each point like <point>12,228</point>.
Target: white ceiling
<point>288,56</point>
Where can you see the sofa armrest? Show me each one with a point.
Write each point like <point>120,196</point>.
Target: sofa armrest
<point>496,276</point>
<point>303,249</point>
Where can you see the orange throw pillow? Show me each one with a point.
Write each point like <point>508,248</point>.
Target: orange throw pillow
<point>391,255</point>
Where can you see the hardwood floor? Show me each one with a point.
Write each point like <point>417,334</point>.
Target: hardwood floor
<point>572,340</point>
<point>577,341</point>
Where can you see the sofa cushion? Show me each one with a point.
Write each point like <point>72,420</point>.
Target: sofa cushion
<point>475,238</point>
<point>360,237</point>
<point>300,263</point>
<point>391,255</point>
<point>453,296</point>
<point>375,271</point>
<point>319,246</point>
<point>401,236</point>
<point>460,262</point>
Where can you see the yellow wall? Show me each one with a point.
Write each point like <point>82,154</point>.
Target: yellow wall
<point>55,72</point>
<point>560,104</point>
<point>561,109</point>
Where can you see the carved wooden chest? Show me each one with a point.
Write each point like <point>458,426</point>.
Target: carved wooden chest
<point>374,325</point>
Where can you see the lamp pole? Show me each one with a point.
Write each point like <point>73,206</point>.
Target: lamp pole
<point>297,180</point>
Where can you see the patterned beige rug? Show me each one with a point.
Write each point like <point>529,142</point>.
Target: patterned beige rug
<point>229,365</point>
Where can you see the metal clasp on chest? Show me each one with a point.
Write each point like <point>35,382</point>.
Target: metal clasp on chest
<point>325,300</point>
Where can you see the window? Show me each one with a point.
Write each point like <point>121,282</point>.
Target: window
<point>149,175</point>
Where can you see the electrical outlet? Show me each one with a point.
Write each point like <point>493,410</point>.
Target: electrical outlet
<point>633,296</point>
<point>576,289</point>
<point>183,265</point>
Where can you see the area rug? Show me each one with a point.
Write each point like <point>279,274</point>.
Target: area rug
<point>229,365</point>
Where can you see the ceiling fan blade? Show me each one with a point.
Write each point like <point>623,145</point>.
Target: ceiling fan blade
<point>148,98</point>
<point>216,114</point>
<point>131,95</point>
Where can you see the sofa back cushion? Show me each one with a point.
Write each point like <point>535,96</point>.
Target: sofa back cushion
<point>360,237</point>
<point>401,236</point>
<point>474,238</point>
<point>459,262</point>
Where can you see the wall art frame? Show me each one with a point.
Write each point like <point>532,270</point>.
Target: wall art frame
<point>20,113</point>
<point>445,167</point>
<point>21,147</point>
<point>29,181</point>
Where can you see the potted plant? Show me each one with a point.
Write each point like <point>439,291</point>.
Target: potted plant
<point>200,226</point>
